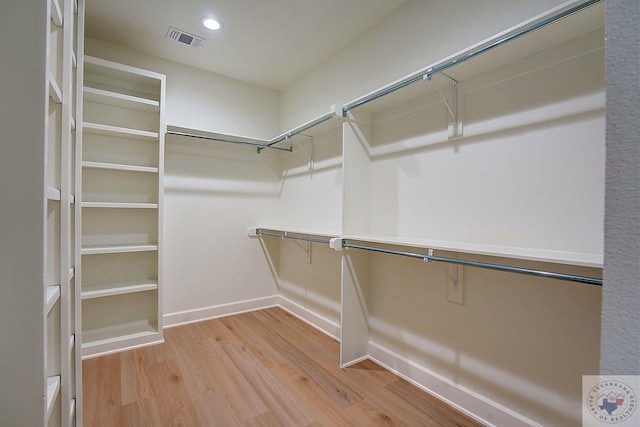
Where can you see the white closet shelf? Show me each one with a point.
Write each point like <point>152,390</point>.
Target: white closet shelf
<point>117,333</point>
<point>120,100</point>
<point>56,13</point>
<point>53,295</point>
<point>54,89</point>
<point>72,273</point>
<point>299,230</point>
<point>72,409</point>
<point>528,254</point>
<point>53,194</point>
<point>119,205</point>
<point>119,167</point>
<point>100,129</point>
<point>111,289</point>
<point>117,249</point>
<point>314,127</point>
<point>207,134</point>
<point>130,80</point>
<point>72,342</point>
<point>53,389</point>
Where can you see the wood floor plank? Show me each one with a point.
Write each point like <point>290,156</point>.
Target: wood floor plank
<point>442,413</point>
<point>342,394</point>
<point>265,368</point>
<point>251,331</point>
<point>101,391</point>
<point>135,384</point>
<point>321,407</point>
<point>281,402</point>
<point>211,369</point>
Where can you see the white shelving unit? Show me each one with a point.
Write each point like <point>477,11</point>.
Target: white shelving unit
<point>121,167</point>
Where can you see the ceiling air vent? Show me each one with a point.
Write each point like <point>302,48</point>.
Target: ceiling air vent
<point>184,37</point>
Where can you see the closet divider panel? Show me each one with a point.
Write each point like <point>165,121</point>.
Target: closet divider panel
<point>356,220</point>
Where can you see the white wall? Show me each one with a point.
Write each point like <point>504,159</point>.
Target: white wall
<point>22,165</point>
<point>415,35</point>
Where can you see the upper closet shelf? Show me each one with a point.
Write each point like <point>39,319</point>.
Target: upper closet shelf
<point>122,82</point>
<point>561,23</point>
<point>311,128</point>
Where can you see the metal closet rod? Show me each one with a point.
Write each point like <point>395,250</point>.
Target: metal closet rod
<point>530,272</point>
<point>299,130</point>
<point>465,57</point>
<point>260,147</point>
<point>287,236</point>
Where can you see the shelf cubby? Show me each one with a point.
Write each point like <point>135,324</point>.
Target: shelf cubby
<point>119,186</point>
<point>111,321</point>
<point>123,151</point>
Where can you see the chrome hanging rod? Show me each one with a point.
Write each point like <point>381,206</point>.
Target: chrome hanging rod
<point>430,257</point>
<point>288,236</point>
<point>260,147</point>
<point>299,130</point>
<point>465,57</point>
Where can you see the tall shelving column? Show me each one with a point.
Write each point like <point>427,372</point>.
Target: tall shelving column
<point>121,159</point>
<point>60,349</point>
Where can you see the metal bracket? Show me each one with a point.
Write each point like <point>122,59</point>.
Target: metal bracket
<point>454,126</point>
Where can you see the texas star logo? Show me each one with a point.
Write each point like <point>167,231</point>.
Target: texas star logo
<point>611,401</point>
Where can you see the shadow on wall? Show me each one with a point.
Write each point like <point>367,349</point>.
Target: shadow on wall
<point>521,341</point>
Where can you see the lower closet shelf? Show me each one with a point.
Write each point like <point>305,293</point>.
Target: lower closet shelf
<point>529,254</point>
<point>93,250</point>
<point>110,289</point>
<point>142,331</point>
<point>53,389</point>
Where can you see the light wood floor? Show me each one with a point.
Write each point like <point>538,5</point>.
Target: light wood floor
<point>264,368</point>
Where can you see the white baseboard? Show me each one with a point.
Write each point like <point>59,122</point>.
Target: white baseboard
<point>212,312</point>
<point>463,399</point>
<point>321,323</point>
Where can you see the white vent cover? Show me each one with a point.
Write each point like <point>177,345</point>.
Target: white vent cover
<point>184,37</point>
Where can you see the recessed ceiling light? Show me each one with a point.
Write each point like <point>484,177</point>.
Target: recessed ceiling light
<point>211,23</point>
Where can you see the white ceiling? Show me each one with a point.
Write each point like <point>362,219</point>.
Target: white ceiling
<point>268,42</point>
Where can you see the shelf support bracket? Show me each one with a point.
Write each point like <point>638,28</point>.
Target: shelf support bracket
<point>454,127</point>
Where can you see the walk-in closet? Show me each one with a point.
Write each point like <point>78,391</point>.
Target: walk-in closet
<point>404,212</point>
